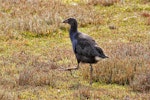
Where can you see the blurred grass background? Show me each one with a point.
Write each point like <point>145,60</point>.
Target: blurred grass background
<point>34,43</point>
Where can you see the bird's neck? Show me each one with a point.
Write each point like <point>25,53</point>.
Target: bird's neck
<point>73,32</point>
<point>73,28</point>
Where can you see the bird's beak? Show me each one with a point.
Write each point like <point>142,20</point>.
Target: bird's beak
<point>65,21</point>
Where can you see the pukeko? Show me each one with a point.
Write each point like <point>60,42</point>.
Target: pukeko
<point>85,48</point>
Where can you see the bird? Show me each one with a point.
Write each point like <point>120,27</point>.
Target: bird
<point>85,48</point>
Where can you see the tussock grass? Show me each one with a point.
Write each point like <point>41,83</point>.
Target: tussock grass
<point>141,82</point>
<point>146,1</point>
<point>147,15</point>
<point>37,76</point>
<point>42,17</point>
<point>148,21</point>
<point>103,2</point>
<point>34,44</point>
<point>124,63</point>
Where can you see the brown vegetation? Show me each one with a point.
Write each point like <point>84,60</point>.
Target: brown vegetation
<point>103,2</point>
<point>34,44</point>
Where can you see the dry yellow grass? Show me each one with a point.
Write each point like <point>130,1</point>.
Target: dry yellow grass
<point>34,44</point>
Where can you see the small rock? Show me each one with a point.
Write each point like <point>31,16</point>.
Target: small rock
<point>112,27</point>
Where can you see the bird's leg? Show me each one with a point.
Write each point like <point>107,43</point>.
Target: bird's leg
<point>91,70</point>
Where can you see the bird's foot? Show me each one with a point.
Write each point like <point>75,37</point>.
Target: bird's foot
<point>69,69</point>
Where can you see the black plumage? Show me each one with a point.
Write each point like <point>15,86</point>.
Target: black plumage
<point>85,48</point>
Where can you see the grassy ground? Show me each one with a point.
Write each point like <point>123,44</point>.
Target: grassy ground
<point>34,44</point>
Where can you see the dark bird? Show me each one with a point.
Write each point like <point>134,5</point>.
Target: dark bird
<point>85,48</point>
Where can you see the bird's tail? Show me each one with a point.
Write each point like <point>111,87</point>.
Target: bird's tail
<point>106,57</point>
<point>101,53</point>
<point>103,56</point>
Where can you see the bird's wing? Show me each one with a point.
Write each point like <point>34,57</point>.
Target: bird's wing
<point>87,37</point>
<point>86,47</point>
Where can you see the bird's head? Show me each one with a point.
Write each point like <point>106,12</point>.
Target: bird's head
<point>71,21</point>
